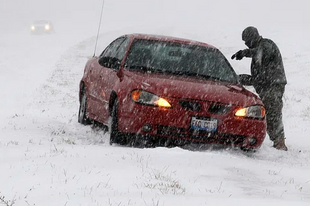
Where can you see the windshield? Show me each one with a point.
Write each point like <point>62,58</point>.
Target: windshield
<point>179,59</point>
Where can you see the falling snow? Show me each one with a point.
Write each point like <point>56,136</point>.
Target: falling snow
<point>47,158</point>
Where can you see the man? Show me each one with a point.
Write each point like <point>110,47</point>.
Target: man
<point>268,79</point>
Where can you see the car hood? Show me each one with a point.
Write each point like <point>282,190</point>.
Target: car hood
<point>193,88</point>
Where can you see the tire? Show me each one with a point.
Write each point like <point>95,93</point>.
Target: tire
<point>82,118</point>
<point>114,123</point>
<point>116,136</point>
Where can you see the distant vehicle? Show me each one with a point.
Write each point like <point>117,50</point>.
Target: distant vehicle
<point>162,91</point>
<point>42,27</point>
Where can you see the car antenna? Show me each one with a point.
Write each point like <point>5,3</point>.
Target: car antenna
<point>99,28</point>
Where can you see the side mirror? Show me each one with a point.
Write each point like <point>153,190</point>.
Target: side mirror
<point>246,79</point>
<point>110,62</point>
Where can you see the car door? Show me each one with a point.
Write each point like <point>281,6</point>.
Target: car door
<point>95,86</point>
<point>107,77</point>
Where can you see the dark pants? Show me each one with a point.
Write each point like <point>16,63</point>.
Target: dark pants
<point>272,99</point>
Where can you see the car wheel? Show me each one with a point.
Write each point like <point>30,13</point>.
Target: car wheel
<point>82,118</point>
<point>116,136</point>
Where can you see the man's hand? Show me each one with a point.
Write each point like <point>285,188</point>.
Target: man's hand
<point>238,55</point>
<point>245,79</point>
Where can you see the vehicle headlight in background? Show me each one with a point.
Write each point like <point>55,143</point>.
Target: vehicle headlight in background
<point>144,97</point>
<point>47,27</point>
<point>33,28</point>
<point>256,111</point>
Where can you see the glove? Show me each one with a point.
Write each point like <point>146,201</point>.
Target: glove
<point>238,55</point>
<point>246,79</point>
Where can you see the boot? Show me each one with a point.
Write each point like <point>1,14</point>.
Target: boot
<point>280,144</point>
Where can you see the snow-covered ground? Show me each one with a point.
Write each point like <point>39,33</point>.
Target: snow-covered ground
<point>47,158</point>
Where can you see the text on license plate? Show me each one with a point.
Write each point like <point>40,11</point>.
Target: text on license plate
<point>202,124</point>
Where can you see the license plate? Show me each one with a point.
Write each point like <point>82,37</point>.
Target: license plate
<point>209,125</point>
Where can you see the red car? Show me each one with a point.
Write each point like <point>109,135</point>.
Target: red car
<point>159,90</point>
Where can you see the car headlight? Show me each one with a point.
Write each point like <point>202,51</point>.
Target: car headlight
<point>144,97</point>
<point>256,111</point>
<point>47,27</point>
<point>33,28</point>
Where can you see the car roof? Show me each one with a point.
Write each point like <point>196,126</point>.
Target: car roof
<point>168,38</point>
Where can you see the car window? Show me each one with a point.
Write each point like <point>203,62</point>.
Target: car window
<point>179,59</point>
<point>121,50</point>
<point>111,50</point>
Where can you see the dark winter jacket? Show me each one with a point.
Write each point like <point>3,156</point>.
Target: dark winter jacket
<point>267,66</point>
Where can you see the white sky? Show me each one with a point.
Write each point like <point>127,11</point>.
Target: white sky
<point>47,158</point>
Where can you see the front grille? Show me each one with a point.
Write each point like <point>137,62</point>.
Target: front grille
<point>171,131</point>
<point>230,138</point>
<point>201,136</point>
<point>218,138</point>
<point>190,105</point>
<point>219,108</point>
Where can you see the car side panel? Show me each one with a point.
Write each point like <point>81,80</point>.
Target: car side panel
<point>108,81</point>
<point>93,103</point>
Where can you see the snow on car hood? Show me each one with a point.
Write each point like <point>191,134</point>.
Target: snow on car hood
<point>193,88</point>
